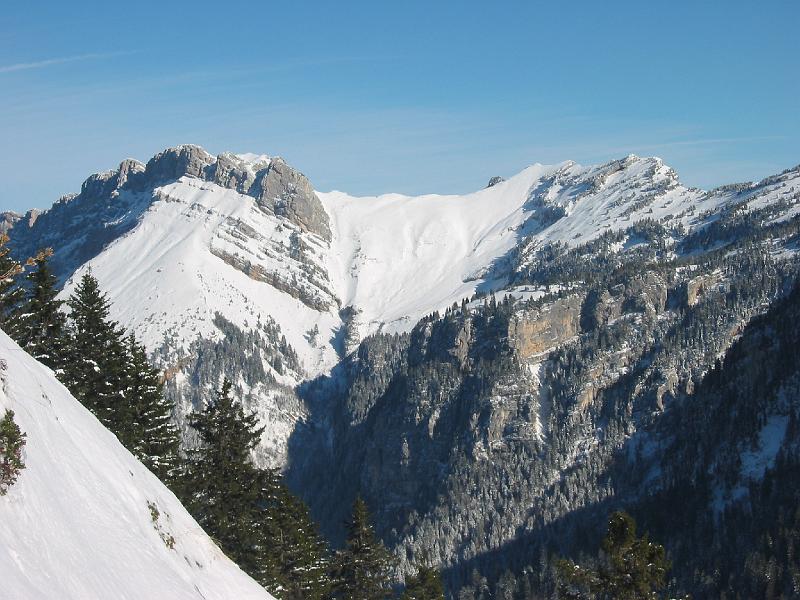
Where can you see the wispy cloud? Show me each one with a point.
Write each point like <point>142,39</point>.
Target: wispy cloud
<point>39,64</point>
<point>713,141</point>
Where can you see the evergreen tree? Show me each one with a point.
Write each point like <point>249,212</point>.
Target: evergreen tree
<point>96,355</point>
<point>12,441</point>
<point>425,585</point>
<point>628,568</point>
<point>248,511</point>
<point>224,485</point>
<point>293,558</point>
<point>42,325</point>
<point>11,295</point>
<point>153,438</point>
<point>363,570</point>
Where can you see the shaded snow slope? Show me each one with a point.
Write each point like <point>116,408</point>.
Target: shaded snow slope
<point>81,521</point>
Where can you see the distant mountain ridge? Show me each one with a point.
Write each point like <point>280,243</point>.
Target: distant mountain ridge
<point>481,368</point>
<point>188,239</point>
<point>115,199</point>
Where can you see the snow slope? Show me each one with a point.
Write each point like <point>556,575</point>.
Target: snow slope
<point>167,280</point>
<point>199,244</point>
<point>80,522</point>
<point>200,248</point>
<point>396,258</point>
<point>393,258</point>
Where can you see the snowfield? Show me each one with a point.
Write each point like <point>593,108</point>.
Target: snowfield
<point>397,258</point>
<point>86,520</point>
<point>200,248</point>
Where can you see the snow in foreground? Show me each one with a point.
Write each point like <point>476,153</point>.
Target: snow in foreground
<point>87,520</point>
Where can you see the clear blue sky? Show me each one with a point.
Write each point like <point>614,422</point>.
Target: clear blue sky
<point>405,96</point>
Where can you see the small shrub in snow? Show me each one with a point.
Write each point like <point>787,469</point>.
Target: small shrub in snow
<point>155,515</point>
<point>12,441</point>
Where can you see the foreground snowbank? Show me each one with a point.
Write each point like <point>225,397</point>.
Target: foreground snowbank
<point>86,520</point>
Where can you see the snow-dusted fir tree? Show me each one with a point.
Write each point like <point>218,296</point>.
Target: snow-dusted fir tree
<point>153,437</point>
<point>293,558</point>
<point>11,295</point>
<point>426,584</point>
<point>250,511</point>
<point>108,372</point>
<point>41,329</point>
<point>12,441</point>
<point>96,356</point>
<point>223,484</point>
<point>363,569</point>
<point>628,567</point>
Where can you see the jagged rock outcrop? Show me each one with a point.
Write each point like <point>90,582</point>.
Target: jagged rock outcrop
<point>288,193</point>
<point>110,203</point>
<point>646,293</point>
<point>128,169</point>
<point>694,288</point>
<point>493,181</point>
<point>174,163</point>
<point>229,171</point>
<point>8,220</point>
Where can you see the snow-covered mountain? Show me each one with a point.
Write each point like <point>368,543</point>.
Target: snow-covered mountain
<point>190,241</point>
<point>86,519</point>
<point>480,433</point>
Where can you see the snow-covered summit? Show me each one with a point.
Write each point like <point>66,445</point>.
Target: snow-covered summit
<point>86,520</point>
<point>188,235</point>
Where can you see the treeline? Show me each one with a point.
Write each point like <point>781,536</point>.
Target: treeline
<point>100,363</point>
<point>248,511</point>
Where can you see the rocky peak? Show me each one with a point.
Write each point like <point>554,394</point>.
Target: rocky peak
<point>174,163</point>
<point>103,185</point>
<point>230,171</point>
<point>8,220</point>
<point>110,203</point>
<point>128,168</point>
<point>99,184</point>
<point>288,193</point>
<point>494,181</point>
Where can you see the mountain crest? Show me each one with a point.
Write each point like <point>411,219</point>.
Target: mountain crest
<point>110,203</point>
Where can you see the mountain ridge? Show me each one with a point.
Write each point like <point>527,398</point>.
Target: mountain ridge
<point>481,368</point>
<point>187,236</point>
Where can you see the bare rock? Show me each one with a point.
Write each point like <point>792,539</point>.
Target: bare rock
<point>288,193</point>
<point>494,181</point>
<point>534,332</point>
<point>174,163</point>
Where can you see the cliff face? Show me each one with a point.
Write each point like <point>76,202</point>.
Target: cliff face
<point>536,331</point>
<point>529,418</point>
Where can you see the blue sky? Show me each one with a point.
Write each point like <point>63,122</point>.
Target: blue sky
<point>411,97</point>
